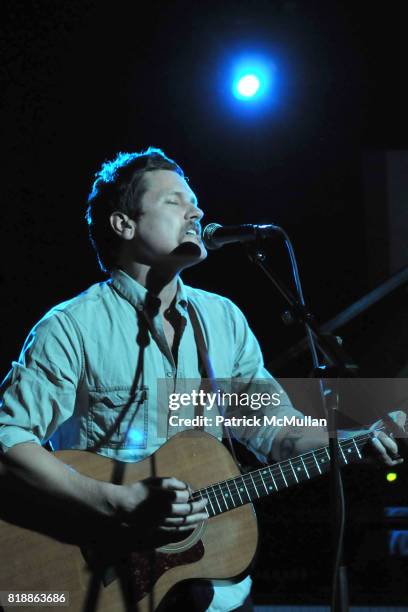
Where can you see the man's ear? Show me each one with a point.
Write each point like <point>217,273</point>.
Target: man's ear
<point>122,225</point>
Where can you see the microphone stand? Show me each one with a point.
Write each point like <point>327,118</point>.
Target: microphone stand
<point>330,348</point>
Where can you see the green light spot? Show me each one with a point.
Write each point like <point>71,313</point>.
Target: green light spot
<point>391,476</point>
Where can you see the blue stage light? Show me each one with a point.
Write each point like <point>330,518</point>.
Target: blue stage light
<point>252,78</point>
<point>134,436</point>
<point>248,85</point>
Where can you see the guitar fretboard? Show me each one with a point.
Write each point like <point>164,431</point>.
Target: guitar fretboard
<point>229,494</point>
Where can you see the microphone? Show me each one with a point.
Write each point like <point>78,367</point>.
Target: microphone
<point>215,235</point>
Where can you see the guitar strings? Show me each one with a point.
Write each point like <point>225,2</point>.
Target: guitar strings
<point>287,468</point>
<point>279,472</point>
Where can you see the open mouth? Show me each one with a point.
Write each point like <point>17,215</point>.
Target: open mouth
<point>193,232</point>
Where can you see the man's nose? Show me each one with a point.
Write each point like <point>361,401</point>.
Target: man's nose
<point>195,213</point>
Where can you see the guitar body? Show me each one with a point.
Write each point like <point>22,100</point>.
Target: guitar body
<point>221,548</point>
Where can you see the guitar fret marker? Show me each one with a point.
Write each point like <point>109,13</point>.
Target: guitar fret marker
<point>294,473</point>
<point>223,496</point>
<point>344,456</point>
<point>273,480</point>
<point>263,482</point>
<point>231,496</point>
<point>249,497</point>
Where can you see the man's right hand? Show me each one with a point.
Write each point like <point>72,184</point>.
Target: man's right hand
<point>159,505</point>
<point>151,509</point>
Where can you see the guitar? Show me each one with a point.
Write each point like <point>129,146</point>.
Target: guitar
<point>34,558</point>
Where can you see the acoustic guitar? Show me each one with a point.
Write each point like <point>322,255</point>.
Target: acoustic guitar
<point>106,576</point>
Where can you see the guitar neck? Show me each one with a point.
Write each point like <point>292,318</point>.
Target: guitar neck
<point>229,494</point>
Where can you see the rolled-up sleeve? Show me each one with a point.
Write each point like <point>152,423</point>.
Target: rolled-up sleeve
<point>249,368</point>
<point>39,392</point>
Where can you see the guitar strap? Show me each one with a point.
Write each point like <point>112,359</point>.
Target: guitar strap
<point>207,370</point>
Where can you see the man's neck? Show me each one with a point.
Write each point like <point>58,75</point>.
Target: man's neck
<point>160,284</point>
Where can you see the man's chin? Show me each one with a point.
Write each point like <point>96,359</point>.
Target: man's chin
<point>188,254</point>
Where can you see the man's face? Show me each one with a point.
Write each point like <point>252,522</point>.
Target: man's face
<point>168,231</point>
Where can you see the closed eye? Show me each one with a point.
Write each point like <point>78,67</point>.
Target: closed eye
<point>172,202</point>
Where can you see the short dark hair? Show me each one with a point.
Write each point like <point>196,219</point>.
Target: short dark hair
<point>119,185</point>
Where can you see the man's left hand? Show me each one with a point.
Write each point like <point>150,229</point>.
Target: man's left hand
<point>384,444</point>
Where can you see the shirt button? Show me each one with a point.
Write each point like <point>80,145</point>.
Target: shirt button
<point>169,374</point>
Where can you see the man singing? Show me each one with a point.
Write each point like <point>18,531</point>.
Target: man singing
<point>87,375</point>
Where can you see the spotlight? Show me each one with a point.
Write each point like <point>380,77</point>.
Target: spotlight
<point>252,78</point>
<point>248,85</point>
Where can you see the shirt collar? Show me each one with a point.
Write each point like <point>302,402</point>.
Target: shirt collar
<point>138,295</point>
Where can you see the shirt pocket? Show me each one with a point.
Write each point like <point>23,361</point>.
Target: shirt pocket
<point>118,418</point>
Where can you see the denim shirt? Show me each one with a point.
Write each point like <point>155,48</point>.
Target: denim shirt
<point>91,365</point>
<point>99,356</point>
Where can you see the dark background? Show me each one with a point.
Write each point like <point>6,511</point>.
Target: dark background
<point>85,79</point>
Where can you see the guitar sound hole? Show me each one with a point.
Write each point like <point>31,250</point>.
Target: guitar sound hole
<point>180,536</point>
